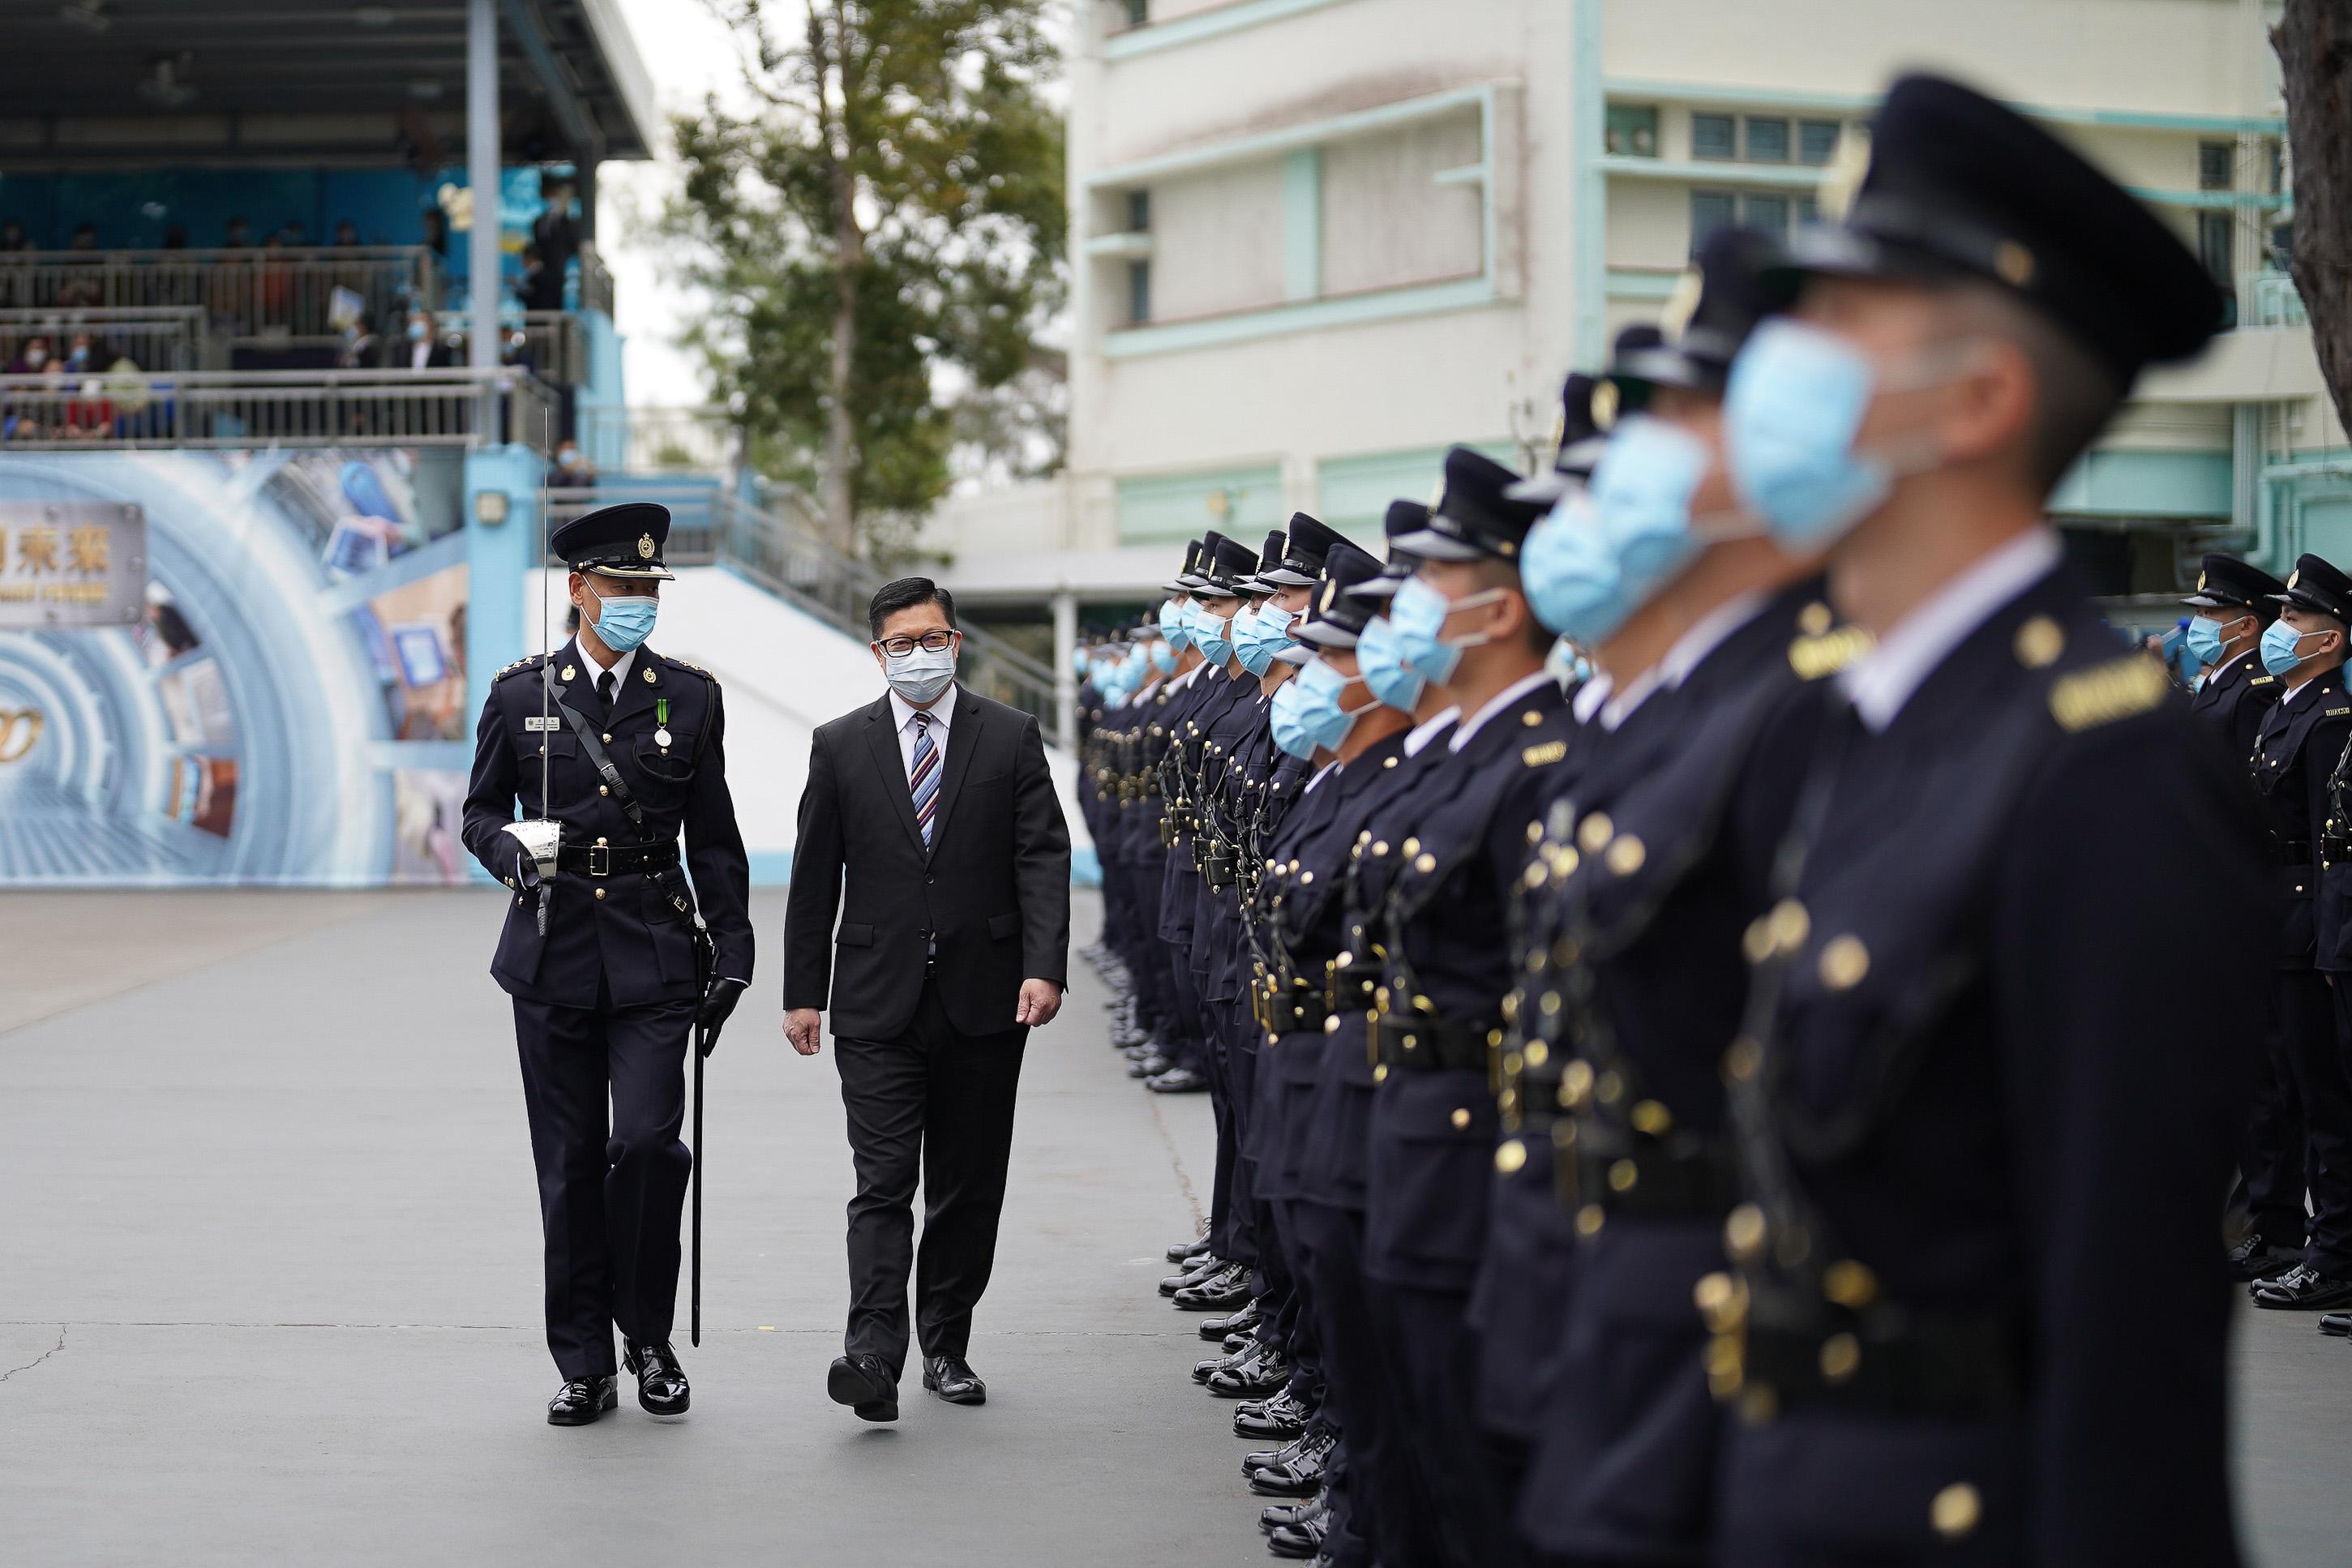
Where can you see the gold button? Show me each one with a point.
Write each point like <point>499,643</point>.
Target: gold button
<point>1575,1083</point>
<point>1743,1233</point>
<point>1380,1073</point>
<point>608,739</point>
<point>1305,878</point>
<point>1537,1053</point>
<point>1588,1220</point>
<point>1850,1284</point>
<point>602,845</point>
<point>600,892</point>
<point>1510,1156</point>
<point>1331,1025</point>
<point>602,790</point>
<point>2040,642</point>
<point>1534,875</point>
<point>510,881</point>
<point>1381,847</point>
<point>1411,845</point>
<point>1742,1061</point>
<point>1425,864</point>
<point>1595,832</point>
<point>1844,960</point>
<point>1535,832</point>
<point>1955,1511</point>
<point>1622,1174</point>
<point>1712,1293</point>
<point>1461,1118</point>
<point>1841,1355</point>
<point>1531,718</point>
<point>1626,854</point>
<point>1650,1117</point>
<point>1790,925</point>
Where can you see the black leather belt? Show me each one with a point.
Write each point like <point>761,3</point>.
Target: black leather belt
<point>1350,986</point>
<point>600,860</point>
<point>1885,1360</point>
<point>1431,1045</point>
<point>2293,852</point>
<point>1684,1177</point>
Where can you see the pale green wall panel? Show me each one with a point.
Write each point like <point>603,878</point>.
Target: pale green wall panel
<point>1356,491</point>
<point>1241,503</point>
<point>2145,484</point>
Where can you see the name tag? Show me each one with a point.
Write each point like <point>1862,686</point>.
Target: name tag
<point>534,724</point>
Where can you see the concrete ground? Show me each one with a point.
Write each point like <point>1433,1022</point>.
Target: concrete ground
<point>268,1285</point>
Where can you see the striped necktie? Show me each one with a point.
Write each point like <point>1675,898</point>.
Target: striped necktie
<point>923,779</point>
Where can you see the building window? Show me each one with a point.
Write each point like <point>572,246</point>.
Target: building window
<point>1817,140</point>
<point>1139,293</point>
<point>1808,211</point>
<point>2274,157</point>
<point>2217,244</point>
<point>1766,214</point>
<point>1631,131</point>
<point>1714,137</point>
<point>1768,140</point>
<point>1139,212</point>
<point>1711,210</point>
<point>1138,12</point>
<point>2217,166</point>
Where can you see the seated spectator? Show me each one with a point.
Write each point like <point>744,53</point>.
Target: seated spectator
<point>296,232</point>
<point>81,354</point>
<point>237,235</point>
<point>33,358</point>
<point>425,350</point>
<point>347,233</point>
<point>84,237</point>
<point>361,351</point>
<point>572,472</point>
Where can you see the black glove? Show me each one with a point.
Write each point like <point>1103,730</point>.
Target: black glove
<point>717,1003</point>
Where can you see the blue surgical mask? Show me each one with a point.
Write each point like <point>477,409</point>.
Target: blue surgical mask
<point>1326,721</point>
<point>1571,577</point>
<point>622,623</point>
<point>922,675</point>
<point>1213,633</point>
<point>1265,634</point>
<point>1796,402</point>
<point>2280,642</point>
<point>1419,612</point>
<point>1079,662</point>
<point>415,332</point>
<point>1289,728</point>
<point>1642,490</point>
<point>1164,658</point>
<point>1174,625</point>
<point>2204,638</point>
<point>1381,658</point>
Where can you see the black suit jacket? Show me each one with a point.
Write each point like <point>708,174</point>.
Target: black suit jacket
<point>992,894</point>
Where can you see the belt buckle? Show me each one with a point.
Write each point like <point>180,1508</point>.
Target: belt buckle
<point>600,860</point>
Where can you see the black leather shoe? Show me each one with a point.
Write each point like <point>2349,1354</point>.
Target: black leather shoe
<point>580,1401</point>
<point>1275,1420</point>
<point>952,1378</point>
<point>2254,1258</point>
<point>1255,1372</point>
<point>2306,1289</point>
<point>1301,1477</point>
<point>1241,1322</point>
<point>865,1385</point>
<point>1274,1516</point>
<point>2336,1324</point>
<point>1177,1080</point>
<point>2292,1275</point>
<point>1301,1542</point>
<point>661,1382</point>
<point>1190,1251</point>
<point>1224,1291</point>
<point>1253,1463</point>
<point>1149,1068</point>
<point>1205,1267</point>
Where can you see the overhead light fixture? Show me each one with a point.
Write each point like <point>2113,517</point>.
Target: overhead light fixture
<point>166,85</point>
<point>373,17</point>
<point>89,16</point>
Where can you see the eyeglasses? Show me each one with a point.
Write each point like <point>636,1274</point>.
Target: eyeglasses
<point>930,642</point>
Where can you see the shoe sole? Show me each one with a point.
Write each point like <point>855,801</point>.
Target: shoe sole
<point>848,1385</point>
<point>977,1396</point>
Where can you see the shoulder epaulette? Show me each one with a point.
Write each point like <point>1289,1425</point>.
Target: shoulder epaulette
<point>696,667</point>
<point>2103,693</point>
<point>1826,653</point>
<point>532,662</point>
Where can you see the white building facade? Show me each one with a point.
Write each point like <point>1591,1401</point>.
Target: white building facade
<point>1314,242</point>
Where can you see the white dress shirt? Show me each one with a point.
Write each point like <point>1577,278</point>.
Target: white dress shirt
<point>620,667</point>
<point>1502,700</point>
<point>1423,733</point>
<point>1689,651</point>
<point>905,712</point>
<point>1881,681</point>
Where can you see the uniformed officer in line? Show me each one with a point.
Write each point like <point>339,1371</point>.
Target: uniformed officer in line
<point>1979,1306</point>
<point>2301,741</point>
<point>1178,1041</point>
<point>602,949</point>
<point>2235,603</point>
<point>1464,623</point>
<point>1630,939</point>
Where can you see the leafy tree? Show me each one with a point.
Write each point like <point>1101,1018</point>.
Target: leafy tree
<point>2314,40</point>
<point>880,240</point>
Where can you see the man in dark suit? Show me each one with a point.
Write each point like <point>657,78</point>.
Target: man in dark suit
<point>602,948</point>
<point>931,827</point>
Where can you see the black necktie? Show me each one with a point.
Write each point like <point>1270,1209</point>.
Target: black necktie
<point>605,685</point>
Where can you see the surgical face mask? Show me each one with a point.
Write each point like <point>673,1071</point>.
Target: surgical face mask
<point>1795,405</point>
<point>415,332</point>
<point>1213,635</point>
<point>1288,724</point>
<point>1266,634</point>
<point>1163,659</point>
<point>80,356</point>
<point>1079,662</point>
<point>922,674</point>
<point>1572,579</point>
<point>1174,625</point>
<point>1419,612</point>
<point>1326,721</point>
<point>36,357</point>
<point>2280,645</point>
<point>1643,490</point>
<point>1381,657</point>
<point>622,622</point>
<point>2205,637</point>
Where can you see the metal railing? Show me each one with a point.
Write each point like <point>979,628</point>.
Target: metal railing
<point>595,281</point>
<point>252,293</point>
<point>665,440</point>
<point>264,408</point>
<point>2275,301</point>
<point>558,346</point>
<point>155,337</point>
<point>784,552</point>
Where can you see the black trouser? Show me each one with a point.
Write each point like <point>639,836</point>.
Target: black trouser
<point>941,1104</point>
<point>2268,1197</point>
<point>1430,1357</point>
<point>610,1188</point>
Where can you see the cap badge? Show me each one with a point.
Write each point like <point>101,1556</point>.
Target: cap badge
<point>2294,576</point>
<point>1437,496</point>
<point>1606,397</point>
<point>2013,263</point>
<point>645,547</point>
<point>2200,582</point>
<point>1330,591</point>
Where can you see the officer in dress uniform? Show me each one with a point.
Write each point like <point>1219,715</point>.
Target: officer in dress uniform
<point>603,949</point>
<point>1964,1103</point>
<point>2296,751</point>
<point>2234,603</point>
<point>1464,623</point>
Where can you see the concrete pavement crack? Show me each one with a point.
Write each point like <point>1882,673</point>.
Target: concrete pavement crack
<point>37,1359</point>
<point>1176,1163</point>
